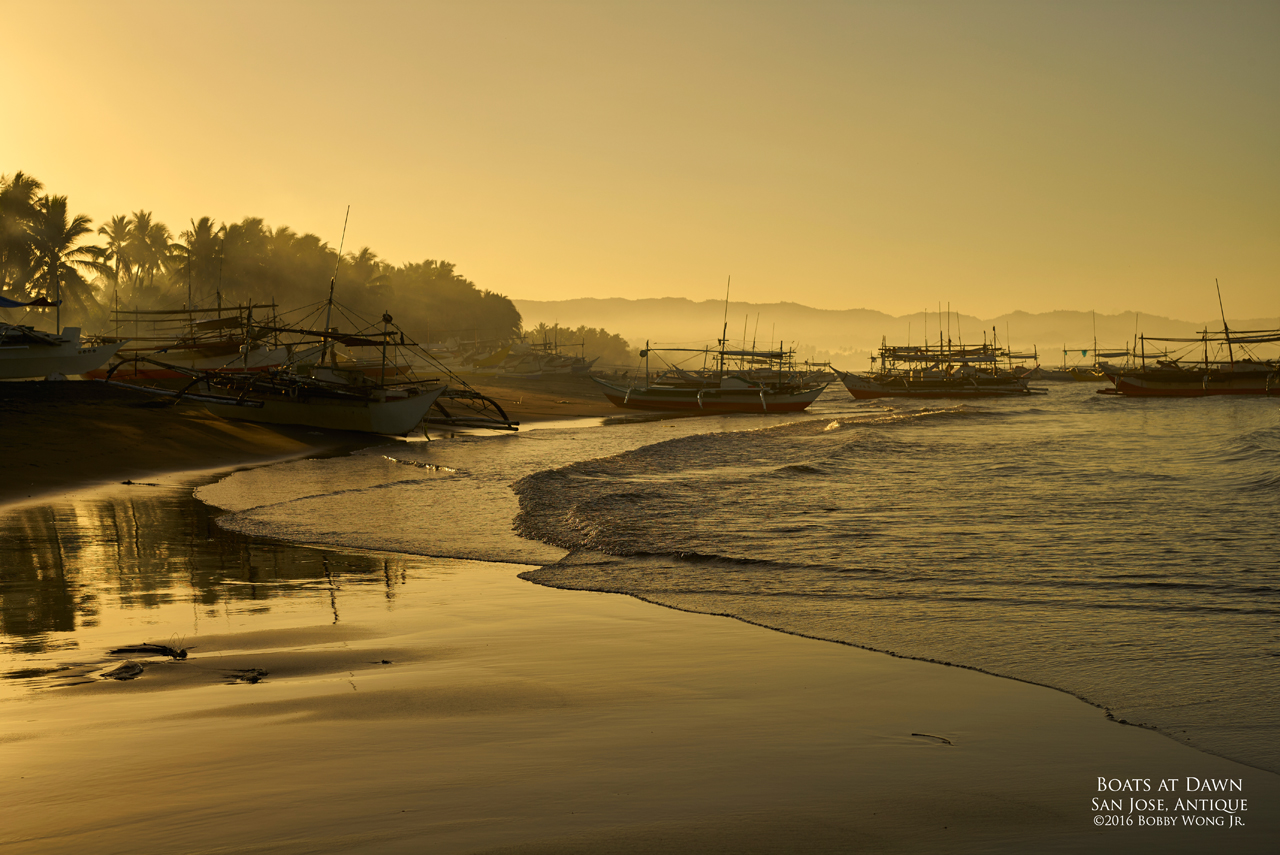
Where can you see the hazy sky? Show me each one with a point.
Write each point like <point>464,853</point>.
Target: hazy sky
<point>889,155</point>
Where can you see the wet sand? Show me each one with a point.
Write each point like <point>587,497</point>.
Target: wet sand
<point>467,710</point>
<point>487,714</point>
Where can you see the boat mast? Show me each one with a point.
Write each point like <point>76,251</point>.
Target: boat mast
<point>1095,338</point>
<point>328,312</point>
<point>386,323</point>
<point>939,331</point>
<point>1226,333</point>
<point>724,333</point>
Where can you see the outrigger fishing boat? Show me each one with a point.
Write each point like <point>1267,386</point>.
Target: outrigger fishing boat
<point>216,338</point>
<point>323,394</point>
<point>730,381</point>
<point>1208,372</point>
<point>1217,363</point>
<point>29,353</point>
<point>941,371</point>
<point>321,388</point>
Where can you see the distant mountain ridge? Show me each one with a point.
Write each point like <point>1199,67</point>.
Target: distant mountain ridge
<point>680,321</point>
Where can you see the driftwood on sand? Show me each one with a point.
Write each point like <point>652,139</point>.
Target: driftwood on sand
<point>147,649</point>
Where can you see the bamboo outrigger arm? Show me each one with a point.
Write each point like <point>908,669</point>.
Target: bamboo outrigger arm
<point>478,403</point>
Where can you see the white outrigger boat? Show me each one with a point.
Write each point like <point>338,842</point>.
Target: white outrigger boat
<point>218,338</point>
<point>27,353</point>
<point>329,394</point>
<point>283,399</point>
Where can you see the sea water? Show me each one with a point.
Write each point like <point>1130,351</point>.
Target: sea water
<point>1123,551</point>
<point>1120,550</point>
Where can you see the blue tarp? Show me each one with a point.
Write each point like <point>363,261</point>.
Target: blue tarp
<point>6,303</point>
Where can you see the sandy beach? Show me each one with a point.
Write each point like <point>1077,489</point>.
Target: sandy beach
<point>484,713</point>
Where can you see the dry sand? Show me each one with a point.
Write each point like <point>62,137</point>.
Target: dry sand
<point>553,396</point>
<point>486,714</point>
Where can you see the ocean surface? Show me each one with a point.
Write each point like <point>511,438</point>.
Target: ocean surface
<point>1121,550</point>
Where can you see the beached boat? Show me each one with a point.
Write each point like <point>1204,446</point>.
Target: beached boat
<point>941,371</point>
<point>1168,379</point>
<point>331,399</point>
<point>29,353</point>
<point>317,389</point>
<point>221,338</point>
<point>1080,372</point>
<point>284,399</point>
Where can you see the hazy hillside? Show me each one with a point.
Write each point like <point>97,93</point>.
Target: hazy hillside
<point>850,334</point>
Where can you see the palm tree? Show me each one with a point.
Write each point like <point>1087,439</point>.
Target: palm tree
<point>151,250</point>
<point>369,273</point>
<point>17,210</point>
<point>244,258</point>
<point>198,258</point>
<point>118,231</point>
<point>59,261</point>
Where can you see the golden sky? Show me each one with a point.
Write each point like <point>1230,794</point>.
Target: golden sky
<point>1104,155</point>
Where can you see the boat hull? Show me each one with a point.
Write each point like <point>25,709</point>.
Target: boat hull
<point>389,415</point>
<point>862,387</point>
<point>68,357</point>
<point>1194,384</point>
<point>710,400</point>
<point>259,359</point>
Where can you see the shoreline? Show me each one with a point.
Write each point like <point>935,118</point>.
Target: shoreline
<point>719,734</point>
<point>484,713</point>
<point>531,575</point>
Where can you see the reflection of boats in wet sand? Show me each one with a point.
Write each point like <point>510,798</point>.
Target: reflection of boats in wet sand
<point>940,371</point>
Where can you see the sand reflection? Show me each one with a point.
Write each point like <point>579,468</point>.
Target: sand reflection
<point>109,563</point>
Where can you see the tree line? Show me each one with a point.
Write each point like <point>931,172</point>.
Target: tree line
<point>138,263</point>
<point>612,349</point>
